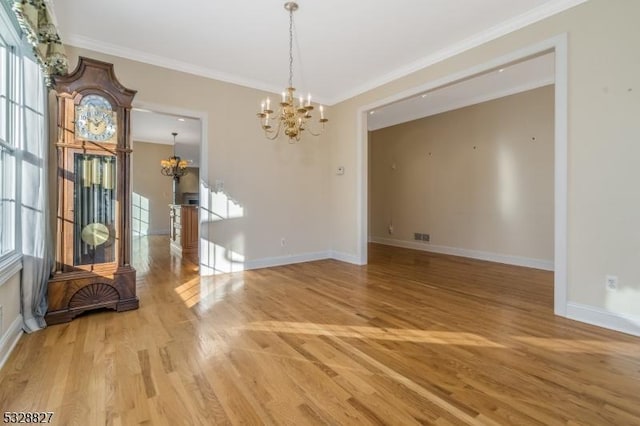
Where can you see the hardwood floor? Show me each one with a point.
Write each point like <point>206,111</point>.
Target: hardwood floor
<point>412,338</point>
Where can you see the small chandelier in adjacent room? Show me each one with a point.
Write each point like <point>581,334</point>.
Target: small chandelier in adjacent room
<point>294,115</point>
<point>174,167</point>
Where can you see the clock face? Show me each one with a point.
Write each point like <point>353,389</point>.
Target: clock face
<point>95,119</point>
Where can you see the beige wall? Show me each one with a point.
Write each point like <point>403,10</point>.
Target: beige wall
<point>603,128</point>
<point>478,178</point>
<point>281,189</point>
<point>10,302</point>
<point>154,190</point>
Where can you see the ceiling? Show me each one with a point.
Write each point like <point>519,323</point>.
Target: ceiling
<point>155,127</point>
<point>514,78</point>
<point>341,48</point>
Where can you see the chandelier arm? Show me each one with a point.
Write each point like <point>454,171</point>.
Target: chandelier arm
<point>275,133</point>
<point>278,128</point>
<point>309,128</point>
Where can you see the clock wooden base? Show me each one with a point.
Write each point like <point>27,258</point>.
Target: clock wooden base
<point>72,293</point>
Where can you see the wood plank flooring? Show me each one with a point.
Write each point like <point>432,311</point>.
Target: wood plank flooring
<point>411,338</point>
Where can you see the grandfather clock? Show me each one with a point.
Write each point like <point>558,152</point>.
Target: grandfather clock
<point>93,238</point>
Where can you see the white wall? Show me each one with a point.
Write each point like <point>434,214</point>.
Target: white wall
<point>478,180</point>
<point>603,129</point>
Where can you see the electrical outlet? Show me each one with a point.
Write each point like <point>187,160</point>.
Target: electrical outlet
<point>611,282</point>
<point>417,236</point>
<point>426,237</point>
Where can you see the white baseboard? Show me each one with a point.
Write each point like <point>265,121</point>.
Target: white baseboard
<point>268,262</point>
<point>602,318</point>
<point>546,265</point>
<point>10,340</point>
<point>345,257</point>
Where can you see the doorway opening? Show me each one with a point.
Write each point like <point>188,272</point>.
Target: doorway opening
<point>556,46</point>
<point>165,209</point>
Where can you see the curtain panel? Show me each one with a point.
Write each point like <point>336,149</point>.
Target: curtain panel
<point>30,128</point>
<point>37,24</point>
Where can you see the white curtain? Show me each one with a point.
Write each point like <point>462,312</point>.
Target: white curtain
<point>34,208</point>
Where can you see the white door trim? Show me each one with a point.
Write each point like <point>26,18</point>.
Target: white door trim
<point>558,44</point>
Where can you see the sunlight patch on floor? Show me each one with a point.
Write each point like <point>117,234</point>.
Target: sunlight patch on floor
<point>206,291</point>
<point>363,332</point>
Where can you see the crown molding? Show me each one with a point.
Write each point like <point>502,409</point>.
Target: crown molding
<point>516,23</point>
<point>538,14</point>
<point>164,62</point>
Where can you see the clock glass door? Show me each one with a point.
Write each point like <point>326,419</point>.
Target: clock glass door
<point>94,209</point>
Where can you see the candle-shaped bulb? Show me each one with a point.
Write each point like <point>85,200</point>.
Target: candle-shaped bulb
<point>301,102</point>
<point>268,103</point>
<point>262,106</point>
<point>321,112</point>
<point>283,97</point>
<point>309,99</point>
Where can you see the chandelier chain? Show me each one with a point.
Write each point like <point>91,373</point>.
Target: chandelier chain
<point>291,47</point>
<point>292,115</point>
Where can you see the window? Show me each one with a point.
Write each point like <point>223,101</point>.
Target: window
<point>7,147</point>
<point>22,131</point>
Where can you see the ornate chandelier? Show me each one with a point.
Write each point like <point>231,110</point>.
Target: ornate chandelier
<point>174,167</point>
<point>294,115</point>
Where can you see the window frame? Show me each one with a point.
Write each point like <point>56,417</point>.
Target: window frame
<point>17,50</point>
